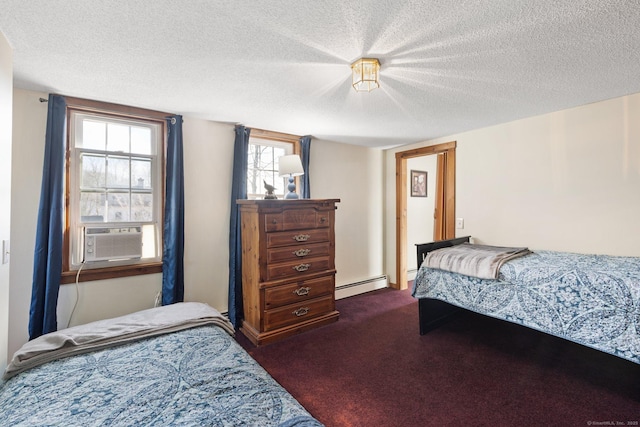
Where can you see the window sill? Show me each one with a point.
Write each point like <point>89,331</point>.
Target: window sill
<point>111,272</point>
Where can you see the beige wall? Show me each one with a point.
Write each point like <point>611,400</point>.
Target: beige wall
<point>96,300</point>
<point>354,175</point>
<point>208,150</point>
<point>6,95</point>
<point>563,181</point>
<point>28,154</point>
<point>208,164</point>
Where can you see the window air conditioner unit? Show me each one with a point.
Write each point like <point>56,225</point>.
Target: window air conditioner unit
<point>112,243</point>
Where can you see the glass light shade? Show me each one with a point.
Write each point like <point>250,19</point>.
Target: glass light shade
<point>290,165</point>
<point>366,72</point>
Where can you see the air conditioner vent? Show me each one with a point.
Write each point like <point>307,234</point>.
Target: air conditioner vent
<point>112,243</point>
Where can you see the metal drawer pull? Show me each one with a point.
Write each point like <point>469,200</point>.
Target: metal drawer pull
<point>302,291</point>
<point>302,252</point>
<point>323,219</point>
<point>301,267</point>
<point>301,311</point>
<point>301,237</point>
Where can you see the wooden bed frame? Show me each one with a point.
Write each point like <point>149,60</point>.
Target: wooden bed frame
<point>433,312</point>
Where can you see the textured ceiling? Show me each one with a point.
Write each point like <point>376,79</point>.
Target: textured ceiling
<point>283,65</point>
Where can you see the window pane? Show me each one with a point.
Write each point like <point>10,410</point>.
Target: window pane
<point>271,179</point>
<point>117,137</point>
<point>141,173</point>
<point>140,140</point>
<point>141,207</point>
<point>267,157</point>
<point>253,181</point>
<point>92,171</point>
<point>93,135</point>
<point>118,207</point>
<point>281,184</point>
<point>118,172</point>
<point>276,164</point>
<point>92,207</point>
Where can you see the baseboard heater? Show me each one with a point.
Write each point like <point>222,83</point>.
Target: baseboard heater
<point>355,288</point>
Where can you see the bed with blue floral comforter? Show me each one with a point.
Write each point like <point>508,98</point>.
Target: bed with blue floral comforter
<point>593,300</point>
<point>193,377</point>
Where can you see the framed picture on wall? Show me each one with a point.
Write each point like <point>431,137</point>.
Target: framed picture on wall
<point>418,183</point>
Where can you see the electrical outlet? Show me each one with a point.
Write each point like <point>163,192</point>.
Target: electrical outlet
<point>460,223</point>
<point>5,252</point>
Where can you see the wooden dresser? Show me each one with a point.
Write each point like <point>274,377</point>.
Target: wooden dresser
<point>288,267</point>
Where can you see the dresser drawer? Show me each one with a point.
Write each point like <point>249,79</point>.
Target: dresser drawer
<point>297,237</point>
<point>298,268</point>
<point>297,252</point>
<point>299,291</point>
<point>294,313</point>
<point>296,219</point>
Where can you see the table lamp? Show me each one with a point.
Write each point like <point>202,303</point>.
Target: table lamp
<point>292,166</point>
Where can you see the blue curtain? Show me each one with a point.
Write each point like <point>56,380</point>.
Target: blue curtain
<point>305,150</point>
<point>238,191</point>
<point>47,260</point>
<point>173,243</point>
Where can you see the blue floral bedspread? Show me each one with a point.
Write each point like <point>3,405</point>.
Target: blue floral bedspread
<point>593,300</point>
<point>195,377</point>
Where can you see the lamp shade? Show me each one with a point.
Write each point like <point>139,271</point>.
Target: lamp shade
<point>290,165</point>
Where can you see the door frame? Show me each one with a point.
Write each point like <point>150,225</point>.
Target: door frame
<point>449,190</point>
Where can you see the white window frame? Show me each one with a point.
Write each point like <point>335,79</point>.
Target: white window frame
<point>151,229</point>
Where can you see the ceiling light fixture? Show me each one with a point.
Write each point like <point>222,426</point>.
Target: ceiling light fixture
<point>366,72</point>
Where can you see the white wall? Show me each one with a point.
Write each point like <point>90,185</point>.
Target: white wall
<point>6,95</point>
<point>563,181</point>
<point>353,174</point>
<point>420,209</point>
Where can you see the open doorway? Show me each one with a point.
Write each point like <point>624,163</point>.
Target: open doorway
<point>444,216</point>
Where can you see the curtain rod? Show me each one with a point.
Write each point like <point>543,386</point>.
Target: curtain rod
<point>173,119</point>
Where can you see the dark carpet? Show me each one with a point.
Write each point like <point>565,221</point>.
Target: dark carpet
<point>373,368</point>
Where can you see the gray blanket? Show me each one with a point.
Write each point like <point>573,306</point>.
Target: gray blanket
<point>111,332</point>
<point>480,261</point>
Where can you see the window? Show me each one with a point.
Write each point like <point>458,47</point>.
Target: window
<point>265,148</point>
<point>263,167</point>
<point>115,193</point>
